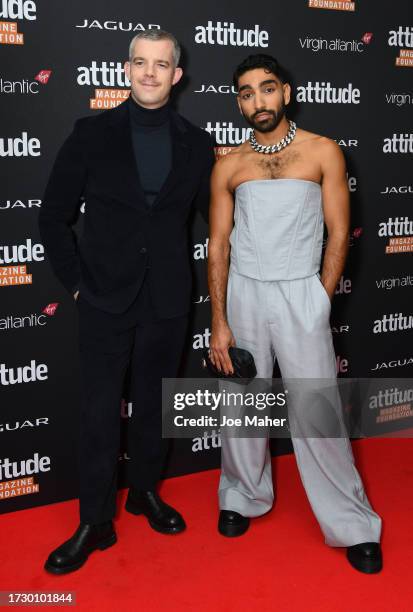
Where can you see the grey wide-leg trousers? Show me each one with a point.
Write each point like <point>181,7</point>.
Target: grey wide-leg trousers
<point>289,321</point>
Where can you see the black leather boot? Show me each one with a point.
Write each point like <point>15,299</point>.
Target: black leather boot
<point>73,553</point>
<point>232,524</point>
<point>161,517</point>
<point>366,557</point>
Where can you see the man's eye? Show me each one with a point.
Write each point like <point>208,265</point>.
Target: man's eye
<point>269,89</point>
<point>246,96</point>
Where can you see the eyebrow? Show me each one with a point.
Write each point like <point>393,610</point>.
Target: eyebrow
<point>266,82</point>
<point>164,61</point>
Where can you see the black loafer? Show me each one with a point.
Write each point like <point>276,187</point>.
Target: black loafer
<point>232,524</point>
<point>161,517</point>
<point>74,553</point>
<point>366,557</point>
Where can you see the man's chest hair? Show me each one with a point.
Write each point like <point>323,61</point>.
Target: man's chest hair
<point>275,166</point>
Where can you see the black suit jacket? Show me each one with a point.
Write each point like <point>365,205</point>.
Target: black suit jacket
<point>122,234</point>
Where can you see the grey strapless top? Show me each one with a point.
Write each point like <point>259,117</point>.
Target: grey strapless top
<point>278,229</point>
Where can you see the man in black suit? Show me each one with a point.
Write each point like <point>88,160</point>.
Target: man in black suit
<point>140,167</point>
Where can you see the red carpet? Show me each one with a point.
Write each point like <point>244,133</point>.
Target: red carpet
<point>280,564</point>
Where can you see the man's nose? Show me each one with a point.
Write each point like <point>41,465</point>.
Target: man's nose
<point>258,101</point>
<point>150,70</point>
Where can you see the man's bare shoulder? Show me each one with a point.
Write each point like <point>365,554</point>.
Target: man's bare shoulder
<point>228,164</point>
<point>321,146</point>
<point>323,143</point>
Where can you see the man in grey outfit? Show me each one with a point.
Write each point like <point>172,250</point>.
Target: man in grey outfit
<point>270,199</point>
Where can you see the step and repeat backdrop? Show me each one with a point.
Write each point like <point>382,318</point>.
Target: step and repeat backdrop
<point>352,67</point>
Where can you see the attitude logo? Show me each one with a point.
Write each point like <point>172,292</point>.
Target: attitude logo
<point>16,254</point>
<point>201,340</point>
<point>398,143</point>
<point>400,232</point>
<point>16,476</point>
<point>9,34</point>
<point>14,275</point>
<point>225,33</point>
<point>403,38</point>
<point>352,183</point>
<point>23,374</point>
<point>21,146</point>
<point>226,134</point>
<point>343,286</point>
<point>209,441</point>
<point>355,234</point>
<point>126,409</point>
<point>110,75</point>
<point>14,9</point>
<point>332,5</point>
<point>342,365</point>
<point>201,250</point>
<point>221,151</point>
<point>392,404</point>
<point>393,322</point>
<point>324,93</point>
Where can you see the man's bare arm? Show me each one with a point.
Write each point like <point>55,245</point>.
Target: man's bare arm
<point>221,214</point>
<point>336,205</point>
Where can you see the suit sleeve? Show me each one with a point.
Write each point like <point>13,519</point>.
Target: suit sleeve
<point>59,209</point>
<point>203,195</point>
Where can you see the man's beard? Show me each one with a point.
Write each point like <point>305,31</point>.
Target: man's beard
<point>269,124</point>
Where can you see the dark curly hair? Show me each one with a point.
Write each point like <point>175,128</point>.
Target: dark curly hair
<point>260,60</point>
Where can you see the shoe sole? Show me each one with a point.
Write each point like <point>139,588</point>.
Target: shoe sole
<point>232,531</point>
<point>166,530</point>
<point>72,568</point>
<point>367,566</point>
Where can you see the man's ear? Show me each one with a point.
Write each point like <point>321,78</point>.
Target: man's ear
<point>287,93</point>
<point>126,67</point>
<point>239,106</point>
<point>177,75</point>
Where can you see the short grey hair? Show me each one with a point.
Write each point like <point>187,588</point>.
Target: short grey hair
<point>157,34</point>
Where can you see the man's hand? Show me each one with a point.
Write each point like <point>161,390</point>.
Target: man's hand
<point>221,339</point>
<point>76,295</point>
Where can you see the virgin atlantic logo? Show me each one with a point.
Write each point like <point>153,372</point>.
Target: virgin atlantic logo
<point>43,76</point>
<point>50,309</point>
<point>366,38</point>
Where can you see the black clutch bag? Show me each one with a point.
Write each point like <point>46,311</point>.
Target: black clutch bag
<point>242,363</point>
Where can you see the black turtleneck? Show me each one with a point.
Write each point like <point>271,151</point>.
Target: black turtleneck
<point>152,145</point>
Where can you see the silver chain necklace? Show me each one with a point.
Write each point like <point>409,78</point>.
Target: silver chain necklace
<point>278,146</point>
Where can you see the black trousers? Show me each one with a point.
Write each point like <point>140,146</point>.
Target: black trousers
<point>108,343</point>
